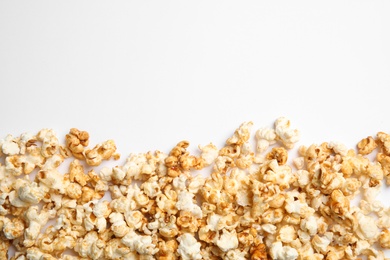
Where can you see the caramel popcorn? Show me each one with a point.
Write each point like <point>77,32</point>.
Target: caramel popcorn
<point>252,205</point>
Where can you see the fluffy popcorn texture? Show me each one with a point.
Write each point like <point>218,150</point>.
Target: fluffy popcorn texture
<point>189,248</point>
<point>252,204</point>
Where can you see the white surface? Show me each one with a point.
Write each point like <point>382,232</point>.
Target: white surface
<point>151,73</point>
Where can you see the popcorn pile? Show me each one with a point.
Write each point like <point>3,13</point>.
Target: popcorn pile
<point>251,206</point>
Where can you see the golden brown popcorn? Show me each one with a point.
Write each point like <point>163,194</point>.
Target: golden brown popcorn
<point>4,246</point>
<point>167,249</point>
<point>279,154</point>
<point>384,239</point>
<point>338,203</point>
<point>384,160</point>
<point>384,142</point>
<point>76,173</point>
<point>102,151</point>
<point>367,145</point>
<point>258,252</point>
<point>76,141</point>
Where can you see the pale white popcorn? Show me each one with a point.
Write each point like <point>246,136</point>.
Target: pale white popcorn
<point>285,134</point>
<point>370,193</point>
<point>31,193</point>
<point>151,187</point>
<point>53,162</point>
<point>304,237</point>
<point>287,234</point>
<point>302,178</point>
<point>222,162</point>
<point>295,204</point>
<point>280,252</point>
<point>16,201</point>
<point>278,174</point>
<point>35,222</point>
<point>118,224</point>
<point>115,249</point>
<point>26,139</point>
<point>364,247</point>
<point>9,145</point>
<point>299,162</point>
<point>196,183</point>
<point>118,174</point>
<point>208,153</point>
<point>34,253</point>
<point>367,228</point>
<point>188,248</point>
<point>269,228</point>
<point>235,254</point>
<point>134,218</point>
<point>262,145</point>
<point>384,218</point>
<point>228,240</point>
<point>179,182</point>
<point>338,148</point>
<point>264,137</point>
<point>310,225</point>
<point>101,209</point>
<point>90,246</point>
<point>142,244</point>
<point>266,134</point>
<point>137,165</point>
<point>320,243</point>
<point>101,224</point>
<point>185,202</point>
<point>105,174</point>
<point>6,180</point>
<point>49,141</point>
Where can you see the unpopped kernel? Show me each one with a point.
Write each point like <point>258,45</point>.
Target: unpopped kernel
<point>252,205</point>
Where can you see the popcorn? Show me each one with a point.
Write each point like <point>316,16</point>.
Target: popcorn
<point>280,252</point>
<point>208,153</point>
<point>100,152</point>
<point>13,228</point>
<point>253,204</point>
<point>76,141</point>
<point>9,145</point>
<point>384,239</point>
<point>49,141</point>
<point>367,145</point>
<point>185,202</point>
<point>367,228</point>
<point>228,240</point>
<point>287,234</point>
<point>142,244</point>
<point>188,248</point>
<point>285,134</point>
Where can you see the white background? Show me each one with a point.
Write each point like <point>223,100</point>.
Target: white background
<point>151,73</point>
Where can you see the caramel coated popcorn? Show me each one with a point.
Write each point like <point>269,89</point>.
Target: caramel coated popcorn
<point>252,205</point>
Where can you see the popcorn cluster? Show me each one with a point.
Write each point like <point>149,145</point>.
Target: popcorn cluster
<point>253,205</point>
